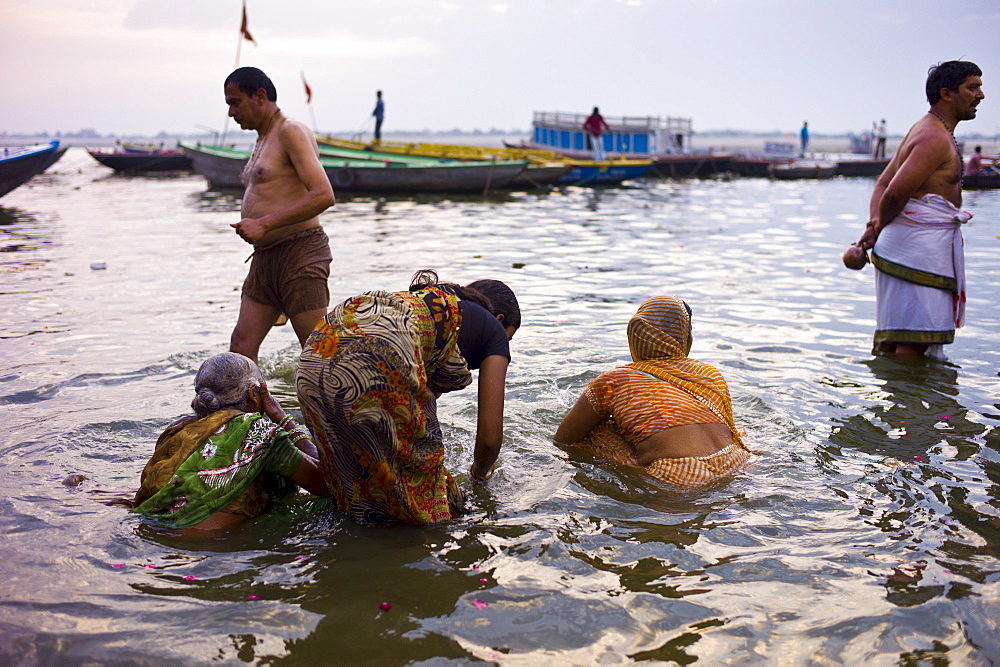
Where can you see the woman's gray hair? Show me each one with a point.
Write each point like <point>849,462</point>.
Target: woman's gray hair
<point>224,381</point>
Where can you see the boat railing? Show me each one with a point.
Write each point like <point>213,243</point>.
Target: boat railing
<point>569,120</point>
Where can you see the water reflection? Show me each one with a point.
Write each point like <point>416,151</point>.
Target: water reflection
<point>836,541</point>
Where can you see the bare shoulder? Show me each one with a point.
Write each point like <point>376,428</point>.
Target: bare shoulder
<point>928,137</point>
<point>295,133</point>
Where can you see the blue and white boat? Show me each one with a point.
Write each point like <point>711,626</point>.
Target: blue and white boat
<point>19,164</point>
<point>664,140</point>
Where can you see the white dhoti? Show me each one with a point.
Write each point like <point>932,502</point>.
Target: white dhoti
<point>920,275</point>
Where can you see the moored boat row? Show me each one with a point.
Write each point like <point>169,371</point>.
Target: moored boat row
<point>223,167</point>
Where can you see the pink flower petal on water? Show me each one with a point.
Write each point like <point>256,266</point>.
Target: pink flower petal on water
<point>253,597</point>
<point>150,566</point>
<point>301,558</point>
<point>385,606</point>
<point>484,580</point>
<point>918,457</point>
<point>946,417</point>
<point>118,565</point>
<point>480,604</point>
<point>190,577</point>
<point>946,571</point>
<point>475,569</point>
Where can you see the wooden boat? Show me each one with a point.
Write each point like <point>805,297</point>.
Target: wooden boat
<point>19,164</point>
<point>691,166</point>
<point>756,166</point>
<point>543,169</point>
<point>803,169</point>
<point>605,172</point>
<point>140,158</point>
<point>223,168</point>
<point>663,140</point>
<point>989,179</point>
<point>55,157</point>
<point>862,167</point>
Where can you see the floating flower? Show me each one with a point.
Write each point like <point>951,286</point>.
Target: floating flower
<point>190,577</point>
<point>253,597</point>
<point>484,580</point>
<point>118,566</point>
<point>385,606</point>
<point>150,566</point>
<point>480,604</point>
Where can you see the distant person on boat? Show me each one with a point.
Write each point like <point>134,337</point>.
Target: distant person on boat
<point>368,382</point>
<point>595,126</point>
<point>804,139</point>
<point>880,134</point>
<point>286,190</point>
<point>228,461</point>
<point>915,219</point>
<point>379,114</point>
<point>665,412</point>
<point>975,164</point>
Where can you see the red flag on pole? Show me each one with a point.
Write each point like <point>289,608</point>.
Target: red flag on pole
<point>309,92</point>
<point>243,26</point>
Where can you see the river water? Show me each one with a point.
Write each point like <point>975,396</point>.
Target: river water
<point>867,529</point>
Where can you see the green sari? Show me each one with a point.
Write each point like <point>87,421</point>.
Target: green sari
<point>216,463</point>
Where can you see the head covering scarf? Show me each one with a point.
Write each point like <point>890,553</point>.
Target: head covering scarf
<point>659,340</point>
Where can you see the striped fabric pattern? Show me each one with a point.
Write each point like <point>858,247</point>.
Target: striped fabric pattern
<point>660,389</point>
<point>607,442</point>
<point>659,329</point>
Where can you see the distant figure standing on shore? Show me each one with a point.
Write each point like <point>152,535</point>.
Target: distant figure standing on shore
<point>915,223</point>
<point>286,190</point>
<point>880,140</point>
<point>379,114</point>
<point>595,126</point>
<point>804,138</point>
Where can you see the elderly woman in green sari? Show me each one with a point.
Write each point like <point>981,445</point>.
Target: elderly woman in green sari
<point>228,461</point>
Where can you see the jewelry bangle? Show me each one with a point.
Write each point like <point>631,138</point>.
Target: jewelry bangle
<point>286,422</point>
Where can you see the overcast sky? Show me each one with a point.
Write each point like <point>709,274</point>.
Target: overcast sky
<point>132,67</point>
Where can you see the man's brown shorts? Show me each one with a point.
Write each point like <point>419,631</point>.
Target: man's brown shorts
<point>292,275</point>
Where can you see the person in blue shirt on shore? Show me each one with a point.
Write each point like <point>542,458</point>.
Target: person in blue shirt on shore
<point>379,114</point>
<point>804,136</point>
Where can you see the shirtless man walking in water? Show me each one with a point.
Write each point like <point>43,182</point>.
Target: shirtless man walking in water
<point>915,219</point>
<point>286,190</point>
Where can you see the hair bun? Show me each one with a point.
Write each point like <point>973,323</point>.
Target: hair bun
<point>205,401</point>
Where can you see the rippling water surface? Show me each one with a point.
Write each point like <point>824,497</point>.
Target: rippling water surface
<point>867,528</point>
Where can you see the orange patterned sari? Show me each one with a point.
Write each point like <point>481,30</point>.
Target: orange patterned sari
<point>368,380</point>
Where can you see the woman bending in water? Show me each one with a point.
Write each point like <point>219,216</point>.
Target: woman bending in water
<point>224,464</point>
<point>664,412</point>
<point>368,382</point>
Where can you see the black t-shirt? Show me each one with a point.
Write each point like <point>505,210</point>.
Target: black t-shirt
<point>480,335</point>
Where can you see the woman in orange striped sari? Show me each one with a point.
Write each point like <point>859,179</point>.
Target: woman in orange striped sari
<point>664,412</point>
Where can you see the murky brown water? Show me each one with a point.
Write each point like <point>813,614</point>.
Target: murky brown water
<point>867,530</point>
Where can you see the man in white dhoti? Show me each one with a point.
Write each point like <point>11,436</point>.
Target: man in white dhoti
<point>915,219</point>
